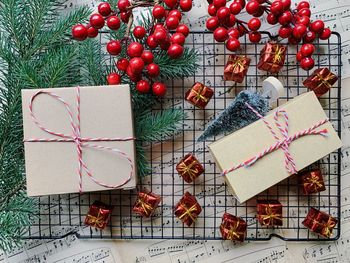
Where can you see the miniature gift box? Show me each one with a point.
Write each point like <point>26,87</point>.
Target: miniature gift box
<point>253,158</point>
<point>187,209</point>
<point>320,222</point>
<point>269,213</point>
<point>236,68</point>
<point>146,203</point>
<point>189,168</point>
<point>65,153</point>
<point>312,181</point>
<point>320,81</point>
<point>98,215</point>
<point>272,57</point>
<point>199,95</point>
<point>233,228</point>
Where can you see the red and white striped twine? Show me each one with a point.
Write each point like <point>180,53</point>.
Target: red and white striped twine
<point>79,141</point>
<point>280,143</point>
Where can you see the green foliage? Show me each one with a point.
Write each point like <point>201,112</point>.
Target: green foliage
<point>34,53</point>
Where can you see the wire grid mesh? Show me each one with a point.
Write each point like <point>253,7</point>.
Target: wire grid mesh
<point>62,215</point>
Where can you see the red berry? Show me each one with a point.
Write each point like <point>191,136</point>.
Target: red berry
<point>307,63</point>
<point>309,37</point>
<point>299,30</point>
<point>303,4</point>
<point>254,24</point>
<point>178,38</point>
<point>254,37</point>
<point>252,7</point>
<point>113,22</point>
<point>212,10</point>
<point>293,41</point>
<point>135,49</point>
<point>143,86</point>
<point>220,34</point>
<point>147,56</point>
<point>136,65</point>
<point>114,47</point>
<point>304,12</point>
<point>175,51</point>
<point>307,50</point>
<point>233,33</point>
<point>170,3</point>
<point>165,44</point>
<point>104,8</point>
<point>139,32</point>
<point>271,19</point>
<point>212,23</point>
<point>305,20</point>
<point>285,18</point>
<point>186,5</point>
<point>299,56</point>
<point>158,11</point>
<point>79,32</point>
<point>92,32</point>
<point>276,8</point>
<point>160,35</point>
<point>134,77</point>
<point>259,13</point>
<point>153,70</point>
<point>241,2</point>
<point>176,13</point>
<point>233,44</point>
<point>182,28</point>
<point>151,42</point>
<point>235,8</point>
<point>285,31</point>
<point>113,79</point>
<point>326,33</point>
<point>261,1</point>
<point>97,21</point>
<point>230,22</point>
<point>223,13</point>
<point>159,89</point>
<point>286,4</point>
<point>122,64</point>
<point>123,5</point>
<point>219,3</point>
<point>242,30</point>
<point>124,16</point>
<point>172,22</point>
<point>317,26</point>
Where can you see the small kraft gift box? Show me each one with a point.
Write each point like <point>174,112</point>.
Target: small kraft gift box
<point>78,139</point>
<point>276,146</point>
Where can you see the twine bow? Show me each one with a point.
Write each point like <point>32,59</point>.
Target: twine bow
<point>188,212</point>
<point>97,221</point>
<point>232,233</point>
<point>147,208</point>
<point>280,143</point>
<point>270,215</point>
<point>325,80</point>
<point>198,94</point>
<point>80,142</point>
<point>188,169</point>
<point>277,57</point>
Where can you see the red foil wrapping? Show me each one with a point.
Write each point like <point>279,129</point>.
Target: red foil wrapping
<point>312,182</point>
<point>236,68</point>
<point>233,228</point>
<point>320,222</point>
<point>189,168</point>
<point>199,95</point>
<point>187,209</point>
<point>272,57</point>
<point>98,215</point>
<point>320,81</point>
<point>269,213</point>
<point>146,203</point>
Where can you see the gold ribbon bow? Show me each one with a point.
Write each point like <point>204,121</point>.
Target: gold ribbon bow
<point>96,221</point>
<point>270,215</point>
<point>236,62</point>
<point>199,95</point>
<point>232,233</point>
<point>277,57</point>
<point>192,172</point>
<point>325,80</point>
<point>328,227</point>
<point>145,206</point>
<point>188,212</point>
<point>314,181</point>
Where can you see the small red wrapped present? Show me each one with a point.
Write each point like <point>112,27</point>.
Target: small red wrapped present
<point>199,95</point>
<point>187,209</point>
<point>98,215</point>
<point>269,213</point>
<point>146,203</point>
<point>320,81</point>
<point>272,57</point>
<point>236,68</point>
<point>189,168</point>
<point>233,228</point>
<point>312,182</point>
<point>320,222</point>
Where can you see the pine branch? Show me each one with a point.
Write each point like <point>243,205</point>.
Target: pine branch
<point>143,166</point>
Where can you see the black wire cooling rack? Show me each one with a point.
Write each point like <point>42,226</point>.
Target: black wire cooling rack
<point>62,215</point>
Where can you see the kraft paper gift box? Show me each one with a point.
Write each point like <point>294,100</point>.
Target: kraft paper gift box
<point>241,148</point>
<point>52,167</point>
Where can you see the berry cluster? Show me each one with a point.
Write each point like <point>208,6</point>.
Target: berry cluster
<point>139,64</point>
<point>295,24</point>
